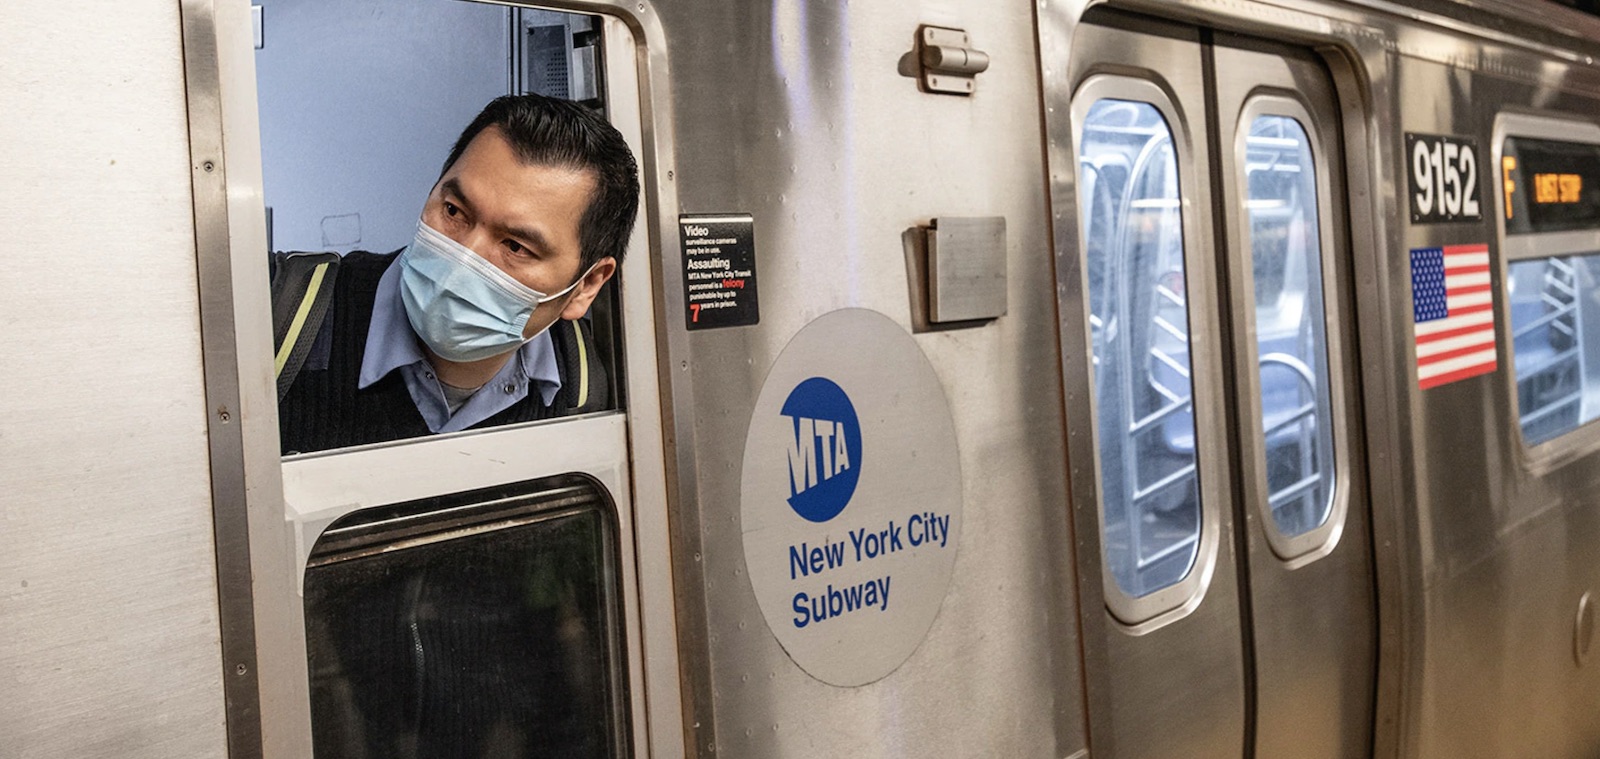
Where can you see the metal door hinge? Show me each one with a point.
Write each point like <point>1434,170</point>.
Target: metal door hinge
<point>948,61</point>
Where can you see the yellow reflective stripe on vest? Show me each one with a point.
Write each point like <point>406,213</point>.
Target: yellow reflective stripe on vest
<point>583,366</point>
<point>299,322</point>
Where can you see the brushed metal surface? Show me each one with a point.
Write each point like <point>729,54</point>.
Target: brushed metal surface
<point>1583,629</point>
<point>1174,684</point>
<point>235,312</point>
<point>1480,546</point>
<point>837,154</point>
<point>225,433</point>
<point>1503,543</point>
<point>1476,553</point>
<point>1313,641</point>
<point>966,269</point>
<point>108,604</point>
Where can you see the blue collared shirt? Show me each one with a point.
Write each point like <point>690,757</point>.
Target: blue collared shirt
<point>393,346</point>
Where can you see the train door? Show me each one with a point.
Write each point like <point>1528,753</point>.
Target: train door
<point>449,571</point>
<point>1219,497</point>
<point>1303,491</point>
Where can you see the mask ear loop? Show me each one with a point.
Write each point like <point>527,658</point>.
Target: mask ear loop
<point>564,291</point>
<point>569,288</point>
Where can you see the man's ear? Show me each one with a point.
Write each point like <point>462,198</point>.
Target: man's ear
<point>588,288</point>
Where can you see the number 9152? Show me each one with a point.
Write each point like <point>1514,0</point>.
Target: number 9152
<point>1444,178</point>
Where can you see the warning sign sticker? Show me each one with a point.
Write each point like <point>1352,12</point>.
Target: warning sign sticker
<point>719,270</point>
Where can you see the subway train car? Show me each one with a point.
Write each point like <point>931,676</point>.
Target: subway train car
<point>985,378</point>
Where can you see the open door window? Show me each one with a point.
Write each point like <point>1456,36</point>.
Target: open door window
<point>468,559</point>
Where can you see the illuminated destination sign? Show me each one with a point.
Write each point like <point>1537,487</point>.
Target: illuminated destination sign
<point>1550,186</point>
<point>1557,188</point>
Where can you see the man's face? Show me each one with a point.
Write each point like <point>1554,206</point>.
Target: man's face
<point>523,218</point>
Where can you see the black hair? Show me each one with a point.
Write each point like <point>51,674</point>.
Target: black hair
<point>553,132</point>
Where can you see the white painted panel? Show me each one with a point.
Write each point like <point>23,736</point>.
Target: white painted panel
<point>108,613</point>
<point>360,103</point>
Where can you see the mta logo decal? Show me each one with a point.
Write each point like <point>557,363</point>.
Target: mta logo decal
<point>824,449</point>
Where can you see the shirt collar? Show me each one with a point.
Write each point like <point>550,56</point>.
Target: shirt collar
<point>391,344</point>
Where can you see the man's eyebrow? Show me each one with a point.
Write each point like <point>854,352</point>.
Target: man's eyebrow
<point>533,238</point>
<point>452,186</point>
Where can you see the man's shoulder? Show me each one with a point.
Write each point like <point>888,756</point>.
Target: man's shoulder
<point>355,258</point>
<point>334,307</point>
<point>368,258</point>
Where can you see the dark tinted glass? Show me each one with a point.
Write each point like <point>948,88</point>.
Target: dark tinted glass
<point>1550,186</point>
<point>462,630</point>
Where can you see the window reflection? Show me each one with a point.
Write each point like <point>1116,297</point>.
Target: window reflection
<point>1558,374</point>
<point>462,631</point>
<point>1140,335</point>
<point>1291,330</point>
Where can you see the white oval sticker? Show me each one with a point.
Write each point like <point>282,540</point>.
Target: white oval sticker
<point>851,497</point>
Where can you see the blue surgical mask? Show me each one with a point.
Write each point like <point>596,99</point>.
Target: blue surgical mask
<point>463,307</point>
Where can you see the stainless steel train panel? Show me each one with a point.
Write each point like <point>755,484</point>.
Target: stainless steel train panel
<point>1480,558</point>
<point>108,604</point>
<point>1511,532</point>
<point>1165,669</point>
<point>1313,641</point>
<point>806,116</point>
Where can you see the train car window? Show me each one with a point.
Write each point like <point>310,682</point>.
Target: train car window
<point>360,104</point>
<point>1139,323</point>
<point>1550,217</point>
<point>479,624</point>
<point>1290,324</point>
<point>1557,359</point>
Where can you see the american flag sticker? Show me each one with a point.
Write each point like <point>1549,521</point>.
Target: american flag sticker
<point>1453,305</point>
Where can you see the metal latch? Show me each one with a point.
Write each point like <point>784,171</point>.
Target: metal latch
<point>949,62</point>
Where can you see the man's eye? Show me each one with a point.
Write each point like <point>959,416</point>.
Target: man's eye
<point>452,209</point>
<point>516,247</point>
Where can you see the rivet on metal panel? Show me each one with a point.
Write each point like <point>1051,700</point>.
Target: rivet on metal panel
<point>208,166</point>
<point>1583,629</point>
<point>241,670</point>
<point>223,414</point>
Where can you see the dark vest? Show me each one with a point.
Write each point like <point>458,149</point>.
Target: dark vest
<point>324,409</point>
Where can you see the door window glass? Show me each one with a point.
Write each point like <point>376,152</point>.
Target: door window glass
<point>1290,324</point>
<point>1139,322</point>
<point>479,624</point>
<point>1556,357</point>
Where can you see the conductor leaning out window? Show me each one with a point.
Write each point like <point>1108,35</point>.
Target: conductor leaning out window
<point>478,321</point>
